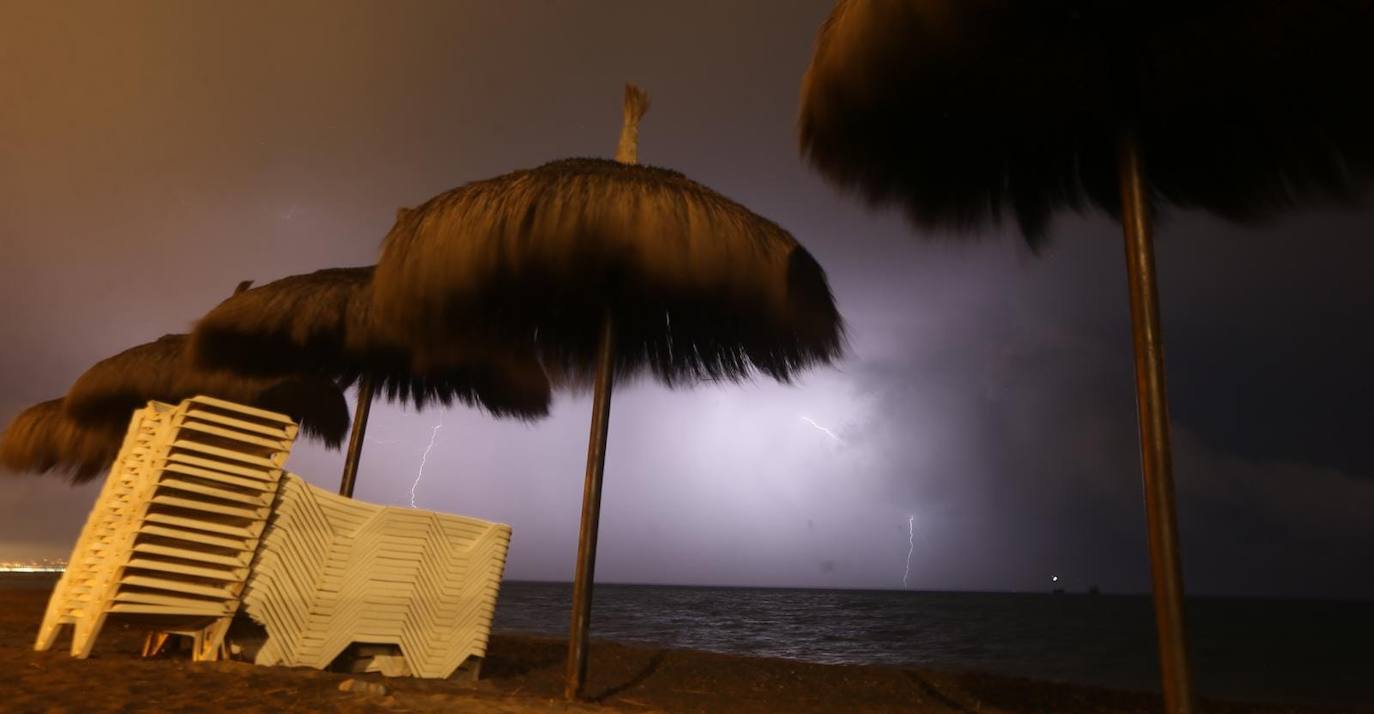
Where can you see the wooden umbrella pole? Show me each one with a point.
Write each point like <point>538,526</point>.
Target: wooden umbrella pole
<point>1153,411</point>
<point>355,438</point>
<point>591,514</point>
<point>636,103</point>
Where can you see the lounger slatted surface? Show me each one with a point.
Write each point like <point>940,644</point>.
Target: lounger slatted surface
<point>73,600</point>
<point>232,469</point>
<point>177,524</point>
<point>197,518</point>
<point>331,572</point>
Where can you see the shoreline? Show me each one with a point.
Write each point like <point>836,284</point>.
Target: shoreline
<point>1145,595</point>
<point>522,674</point>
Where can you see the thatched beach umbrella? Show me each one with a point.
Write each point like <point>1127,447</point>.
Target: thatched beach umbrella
<point>965,112</point>
<point>608,268</point>
<point>321,323</point>
<point>43,438</point>
<point>114,387</point>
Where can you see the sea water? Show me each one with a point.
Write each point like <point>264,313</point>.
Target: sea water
<point>1293,651</point>
<point>1244,649</point>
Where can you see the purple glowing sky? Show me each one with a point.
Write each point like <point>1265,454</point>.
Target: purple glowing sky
<point>154,154</point>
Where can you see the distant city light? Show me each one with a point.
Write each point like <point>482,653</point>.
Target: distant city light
<point>1054,578</point>
<point>29,566</point>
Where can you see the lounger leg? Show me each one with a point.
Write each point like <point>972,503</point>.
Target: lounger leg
<point>52,617</point>
<point>84,634</point>
<point>210,641</point>
<point>154,642</point>
<point>47,633</point>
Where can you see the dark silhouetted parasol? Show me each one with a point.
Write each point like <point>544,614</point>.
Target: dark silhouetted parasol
<point>608,268</point>
<point>43,438</point>
<point>321,323</point>
<point>114,387</point>
<point>967,112</point>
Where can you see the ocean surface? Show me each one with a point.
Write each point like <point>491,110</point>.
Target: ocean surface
<point>1293,651</point>
<point>1289,651</point>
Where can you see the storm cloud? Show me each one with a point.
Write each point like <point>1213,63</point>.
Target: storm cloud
<point>154,154</point>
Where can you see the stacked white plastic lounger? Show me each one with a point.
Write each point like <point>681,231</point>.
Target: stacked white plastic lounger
<point>169,542</point>
<point>81,590</point>
<point>332,571</point>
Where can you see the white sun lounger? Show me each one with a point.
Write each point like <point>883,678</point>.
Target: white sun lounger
<point>198,519</point>
<point>171,537</point>
<point>333,571</point>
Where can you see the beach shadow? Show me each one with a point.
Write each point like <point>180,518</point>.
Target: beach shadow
<point>638,678</point>
<point>515,658</point>
<point>929,690</point>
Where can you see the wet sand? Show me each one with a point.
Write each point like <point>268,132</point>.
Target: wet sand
<point>522,675</point>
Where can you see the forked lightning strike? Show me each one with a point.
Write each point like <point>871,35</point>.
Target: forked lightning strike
<point>425,457</point>
<point>911,547</point>
<point>823,430</point>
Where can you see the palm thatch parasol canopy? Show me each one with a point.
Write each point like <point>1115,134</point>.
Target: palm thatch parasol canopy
<point>697,285</point>
<point>114,387</point>
<point>43,438</point>
<point>611,268</point>
<point>321,323</point>
<point>964,111</point>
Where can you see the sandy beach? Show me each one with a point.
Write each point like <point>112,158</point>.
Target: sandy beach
<point>521,675</point>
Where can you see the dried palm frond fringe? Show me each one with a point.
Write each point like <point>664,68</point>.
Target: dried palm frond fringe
<point>321,323</point>
<point>965,112</point>
<point>43,438</point>
<point>113,388</point>
<point>699,286</point>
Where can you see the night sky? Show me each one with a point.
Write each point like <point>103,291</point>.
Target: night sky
<point>152,155</point>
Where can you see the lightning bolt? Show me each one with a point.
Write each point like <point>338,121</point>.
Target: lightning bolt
<point>911,547</point>
<point>425,457</point>
<point>822,429</point>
